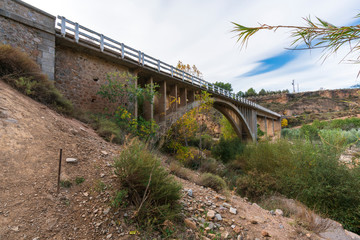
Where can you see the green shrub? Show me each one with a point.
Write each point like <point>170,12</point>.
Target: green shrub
<point>212,181</point>
<point>255,184</point>
<point>151,189</point>
<point>107,129</point>
<point>207,142</point>
<point>65,183</point>
<point>119,200</point>
<point>79,180</point>
<point>22,73</point>
<point>308,172</point>
<point>227,149</point>
<point>310,132</point>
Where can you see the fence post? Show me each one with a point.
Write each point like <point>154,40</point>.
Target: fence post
<point>122,51</point>
<point>76,32</point>
<point>172,71</point>
<point>158,65</point>
<point>101,42</point>
<point>63,27</point>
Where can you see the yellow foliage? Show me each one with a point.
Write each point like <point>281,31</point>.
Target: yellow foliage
<point>284,122</point>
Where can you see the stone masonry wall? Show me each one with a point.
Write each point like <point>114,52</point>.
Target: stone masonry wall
<point>30,29</point>
<point>79,76</point>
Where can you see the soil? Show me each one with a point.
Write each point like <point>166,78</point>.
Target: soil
<point>31,136</point>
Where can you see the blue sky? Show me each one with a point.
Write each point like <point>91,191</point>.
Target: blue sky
<point>199,32</point>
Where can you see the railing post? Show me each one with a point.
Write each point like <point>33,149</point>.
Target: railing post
<point>172,71</point>
<point>122,51</point>
<point>101,42</point>
<point>139,56</point>
<point>183,75</point>
<point>192,79</point>
<point>63,26</point>
<point>143,59</point>
<point>76,32</point>
<point>158,65</point>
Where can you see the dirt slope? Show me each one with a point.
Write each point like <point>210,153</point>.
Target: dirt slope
<point>30,138</point>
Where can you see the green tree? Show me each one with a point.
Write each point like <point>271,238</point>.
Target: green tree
<point>240,94</point>
<point>320,34</point>
<point>250,92</point>
<point>262,92</point>
<point>226,86</point>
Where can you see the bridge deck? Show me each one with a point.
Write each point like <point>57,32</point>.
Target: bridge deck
<point>73,32</point>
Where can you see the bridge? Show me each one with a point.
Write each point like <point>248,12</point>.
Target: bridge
<point>77,58</point>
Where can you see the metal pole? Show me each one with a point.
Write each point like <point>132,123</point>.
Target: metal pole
<point>58,182</point>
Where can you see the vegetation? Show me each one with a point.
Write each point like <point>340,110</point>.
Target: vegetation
<point>79,180</point>
<point>120,88</point>
<point>227,150</point>
<point>310,173</point>
<point>212,181</point>
<point>226,86</point>
<point>320,34</point>
<point>21,72</point>
<point>149,186</point>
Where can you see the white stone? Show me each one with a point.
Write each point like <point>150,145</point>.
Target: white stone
<point>218,217</point>
<point>190,192</point>
<point>71,160</point>
<point>226,205</point>
<point>279,212</point>
<point>233,210</point>
<point>211,214</point>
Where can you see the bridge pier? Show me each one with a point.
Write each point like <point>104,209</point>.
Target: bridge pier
<point>183,97</point>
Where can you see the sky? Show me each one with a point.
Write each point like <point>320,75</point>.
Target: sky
<point>199,32</point>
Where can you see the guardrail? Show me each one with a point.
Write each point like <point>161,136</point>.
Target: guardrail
<point>124,51</point>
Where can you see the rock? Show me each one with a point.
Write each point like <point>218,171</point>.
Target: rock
<point>36,238</point>
<point>218,217</point>
<point>109,236</point>
<point>190,224</point>
<point>106,211</point>
<point>86,194</point>
<point>210,214</point>
<point>102,175</point>
<point>279,212</point>
<point>15,229</point>
<point>104,153</point>
<point>71,160</point>
<point>211,235</point>
<point>224,235</point>
<point>226,205</point>
<point>253,222</point>
<point>237,229</point>
<point>233,226</point>
<point>11,120</point>
<point>281,226</point>
<point>190,192</point>
<point>233,210</point>
<point>265,233</point>
<point>272,212</point>
<point>211,225</point>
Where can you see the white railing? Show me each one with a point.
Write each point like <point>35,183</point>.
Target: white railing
<point>125,52</point>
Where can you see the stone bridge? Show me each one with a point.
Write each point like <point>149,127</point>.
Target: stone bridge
<point>78,58</point>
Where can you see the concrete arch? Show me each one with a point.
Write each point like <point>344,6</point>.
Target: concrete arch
<point>236,119</point>
<point>229,110</point>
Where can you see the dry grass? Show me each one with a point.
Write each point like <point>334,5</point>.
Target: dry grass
<point>302,215</point>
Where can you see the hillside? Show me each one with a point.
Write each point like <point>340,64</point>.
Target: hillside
<point>31,136</point>
<point>300,108</point>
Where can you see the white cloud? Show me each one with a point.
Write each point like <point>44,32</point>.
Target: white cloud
<point>198,32</point>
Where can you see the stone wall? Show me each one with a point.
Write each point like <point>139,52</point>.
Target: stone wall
<point>30,29</point>
<point>79,76</point>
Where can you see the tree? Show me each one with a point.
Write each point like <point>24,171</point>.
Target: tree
<point>262,92</point>
<point>250,92</point>
<point>226,86</point>
<point>240,94</point>
<point>193,70</point>
<point>320,34</point>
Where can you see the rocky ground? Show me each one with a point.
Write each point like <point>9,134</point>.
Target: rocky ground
<point>30,207</point>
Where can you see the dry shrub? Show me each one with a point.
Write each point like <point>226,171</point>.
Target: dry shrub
<point>303,216</point>
<point>152,190</point>
<point>212,181</point>
<point>22,73</point>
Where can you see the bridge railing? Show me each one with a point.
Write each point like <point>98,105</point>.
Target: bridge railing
<point>126,52</point>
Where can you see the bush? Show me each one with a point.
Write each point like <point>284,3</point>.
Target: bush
<point>207,142</point>
<point>22,73</point>
<point>308,172</point>
<point>178,170</point>
<point>119,200</point>
<point>107,129</point>
<point>210,165</point>
<point>79,180</point>
<point>150,188</point>
<point>212,181</point>
<point>228,149</point>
